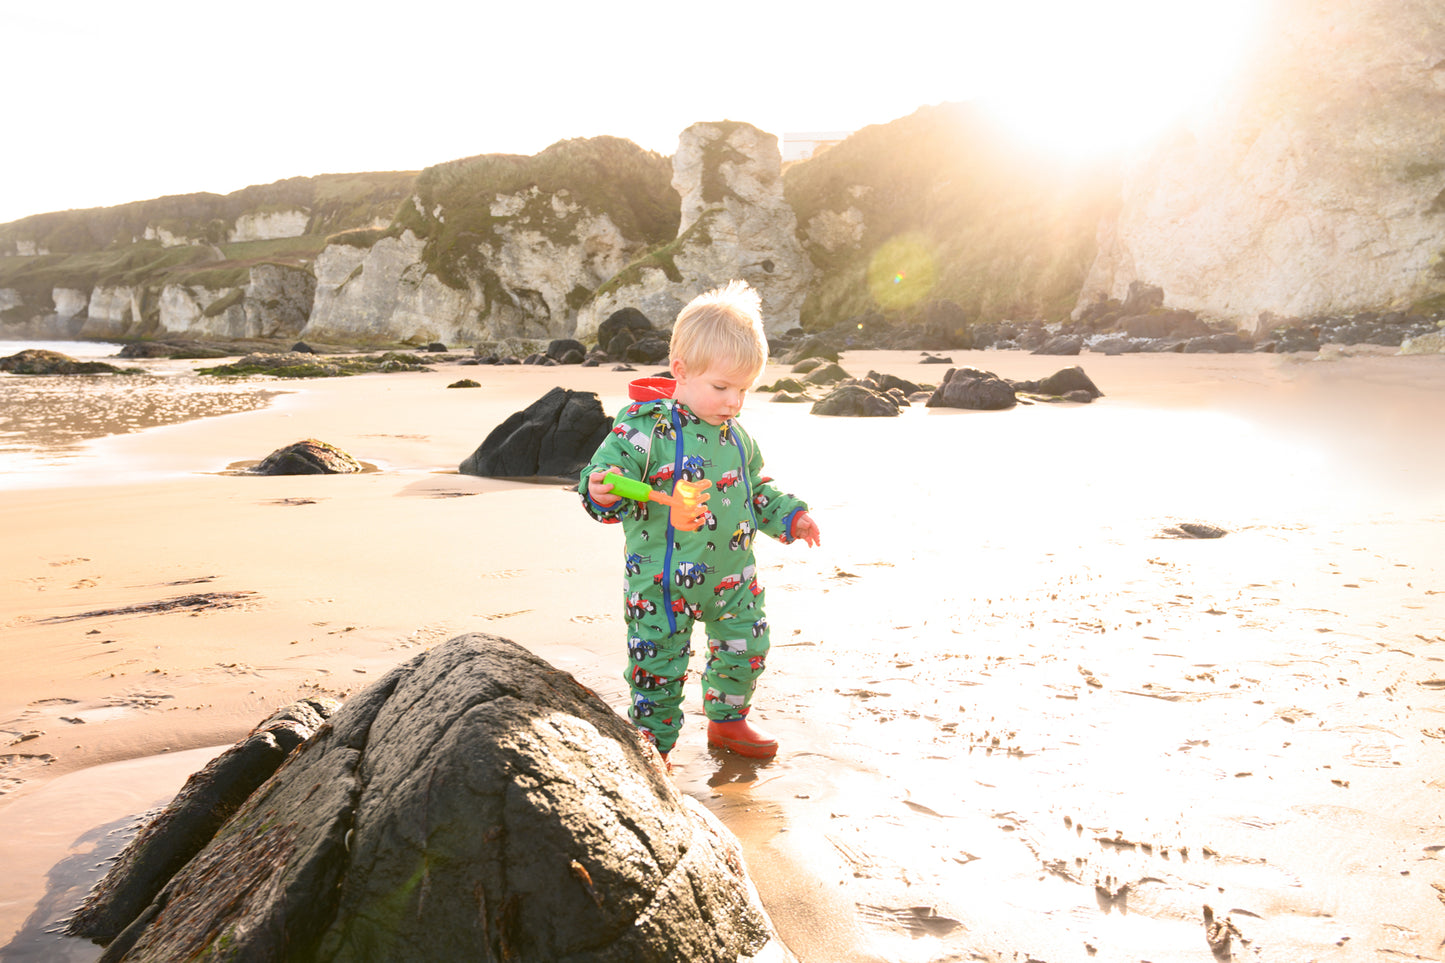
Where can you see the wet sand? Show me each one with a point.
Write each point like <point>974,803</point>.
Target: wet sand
<point>1016,720</point>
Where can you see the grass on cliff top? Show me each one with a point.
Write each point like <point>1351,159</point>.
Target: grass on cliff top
<point>335,202</point>
<point>148,263</point>
<point>953,210</point>
<point>608,175</point>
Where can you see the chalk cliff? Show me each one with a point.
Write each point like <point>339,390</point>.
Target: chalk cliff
<point>1316,187</point>
<point>735,223</point>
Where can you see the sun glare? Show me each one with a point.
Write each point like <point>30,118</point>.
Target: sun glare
<point>1096,79</point>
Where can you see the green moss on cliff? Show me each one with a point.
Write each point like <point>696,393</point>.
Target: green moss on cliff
<point>989,225</point>
<point>453,210</point>
<point>662,257</point>
<point>334,202</point>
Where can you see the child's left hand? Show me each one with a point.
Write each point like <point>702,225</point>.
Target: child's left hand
<point>805,529</point>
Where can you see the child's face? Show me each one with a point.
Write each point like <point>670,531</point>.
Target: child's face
<point>713,395</point>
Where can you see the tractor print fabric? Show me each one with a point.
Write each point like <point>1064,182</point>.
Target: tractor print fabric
<point>675,578</point>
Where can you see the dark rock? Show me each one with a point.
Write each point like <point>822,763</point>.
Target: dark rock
<point>464,383</point>
<point>1142,298</point>
<point>38,361</point>
<point>811,347</point>
<point>1080,396</point>
<point>1164,324</point>
<point>630,322</point>
<point>785,384</point>
<point>566,351</point>
<point>646,351</point>
<point>1063,381</point>
<point>1224,343</point>
<point>475,803</point>
<point>1287,340</point>
<point>435,347</point>
<point>301,347</point>
<point>935,359</point>
<point>308,457</point>
<point>888,382</point>
<point>188,822</point>
<point>828,374</point>
<point>973,389</point>
<point>148,349</point>
<point>791,398</point>
<point>1063,344</point>
<point>554,436</point>
<point>856,401</point>
<point>1114,345</point>
<point>806,365</point>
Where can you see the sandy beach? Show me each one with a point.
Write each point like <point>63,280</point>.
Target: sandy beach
<point>1017,720</point>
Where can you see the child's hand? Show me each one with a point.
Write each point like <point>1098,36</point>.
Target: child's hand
<point>806,529</point>
<point>599,490</point>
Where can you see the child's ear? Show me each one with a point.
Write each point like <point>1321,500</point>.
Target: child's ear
<point>678,367</point>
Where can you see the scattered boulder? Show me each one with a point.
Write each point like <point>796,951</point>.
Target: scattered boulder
<point>554,436</point>
<point>464,383</point>
<point>973,389</point>
<point>301,347</point>
<point>646,351</point>
<point>436,347</point>
<point>1193,530</point>
<point>474,803</point>
<point>623,328</point>
<point>1063,344</point>
<point>1164,324</point>
<point>1061,383</point>
<point>188,822</point>
<point>308,457</point>
<point>38,361</point>
<point>826,374</point>
<point>785,384</point>
<point>857,400</point>
<point>566,351</point>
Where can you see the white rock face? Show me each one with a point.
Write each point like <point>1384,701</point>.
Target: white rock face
<point>384,293</point>
<point>167,239</point>
<point>69,302</point>
<point>30,249</point>
<point>735,224</point>
<point>268,227</point>
<point>197,311</point>
<point>278,300</point>
<point>1317,188</point>
<point>112,311</point>
<point>547,247</point>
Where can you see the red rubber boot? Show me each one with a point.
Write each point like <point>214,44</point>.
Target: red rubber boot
<point>740,737</point>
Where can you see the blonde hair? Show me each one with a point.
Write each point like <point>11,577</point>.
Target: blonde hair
<point>722,329</point>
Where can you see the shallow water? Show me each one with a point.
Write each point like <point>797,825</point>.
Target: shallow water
<point>46,420</point>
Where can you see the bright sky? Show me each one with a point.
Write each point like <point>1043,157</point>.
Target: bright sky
<point>114,102</point>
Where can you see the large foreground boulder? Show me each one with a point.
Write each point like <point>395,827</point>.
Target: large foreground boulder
<point>203,805</point>
<point>475,803</point>
<point>554,436</point>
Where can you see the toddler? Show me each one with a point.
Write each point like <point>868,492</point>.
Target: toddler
<point>685,427</point>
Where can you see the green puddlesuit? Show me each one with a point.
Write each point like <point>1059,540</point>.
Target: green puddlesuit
<point>674,578</point>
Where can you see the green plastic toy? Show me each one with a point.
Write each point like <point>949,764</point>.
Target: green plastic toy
<point>686,504</point>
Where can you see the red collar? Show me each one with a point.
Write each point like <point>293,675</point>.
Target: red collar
<point>651,389</point>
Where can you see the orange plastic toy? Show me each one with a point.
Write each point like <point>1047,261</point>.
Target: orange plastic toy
<point>687,505</point>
